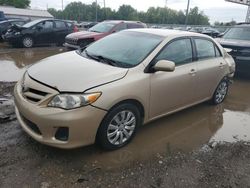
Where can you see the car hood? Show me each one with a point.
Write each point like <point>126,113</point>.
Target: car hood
<point>234,44</point>
<point>70,72</point>
<point>84,34</point>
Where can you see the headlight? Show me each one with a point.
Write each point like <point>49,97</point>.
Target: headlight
<point>71,101</point>
<point>17,33</point>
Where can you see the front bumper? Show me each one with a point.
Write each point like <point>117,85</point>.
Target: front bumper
<point>82,123</point>
<point>12,38</point>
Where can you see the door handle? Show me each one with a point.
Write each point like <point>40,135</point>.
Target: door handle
<point>192,72</point>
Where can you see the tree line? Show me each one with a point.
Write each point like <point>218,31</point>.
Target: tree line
<point>87,12</point>
<point>157,15</point>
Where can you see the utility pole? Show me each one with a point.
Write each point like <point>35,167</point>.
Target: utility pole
<point>96,10</point>
<point>104,4</point>
<point>62,5</point>
<point>248,15</point>
<point>187,12</point>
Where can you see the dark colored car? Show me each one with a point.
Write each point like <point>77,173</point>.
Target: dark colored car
<point>39,32</point>
<point>2,16</point>
<point>206,31</point>
<point>237,42</point>
<point>100,30</point>
<point>210,32</point>
<point>6,24</point>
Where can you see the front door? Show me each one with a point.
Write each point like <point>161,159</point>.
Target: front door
<point>45,32</point>
<point>173,90</point>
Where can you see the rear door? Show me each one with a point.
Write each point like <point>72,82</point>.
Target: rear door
<point>174,90</point>
<point>61,31</point>
<point>211,67</point>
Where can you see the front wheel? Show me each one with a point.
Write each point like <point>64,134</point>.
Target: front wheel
<point>119,126</point>
<point>27,42</point>
<point>220,92</point>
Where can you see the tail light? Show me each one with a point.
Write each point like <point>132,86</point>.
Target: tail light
<point>75,28</point>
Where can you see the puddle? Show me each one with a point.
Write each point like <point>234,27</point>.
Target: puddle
<point>13,62</point>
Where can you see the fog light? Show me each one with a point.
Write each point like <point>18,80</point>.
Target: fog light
<point>62,134</point>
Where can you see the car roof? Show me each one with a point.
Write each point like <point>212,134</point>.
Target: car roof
<point>168,32</point>
<point>125,21</point>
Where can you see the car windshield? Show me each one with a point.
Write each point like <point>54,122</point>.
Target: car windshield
<point>126,48</point>
<point>238,33</point>
<point>103,27</point>
<point>30,24</point>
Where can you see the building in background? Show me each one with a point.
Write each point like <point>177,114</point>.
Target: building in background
<point>11,12</point>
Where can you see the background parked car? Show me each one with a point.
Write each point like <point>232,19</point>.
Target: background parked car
<point>2,16</point>
<point>210,32</point>
<point>39,32</point>
<point>84,38</point>
<point>237,41</point>
<point>6,24</point>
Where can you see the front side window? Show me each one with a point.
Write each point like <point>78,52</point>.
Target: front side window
<point>180,52</point>
<point>205,49</point>
<point>46,25</point>
<point>120,27</point>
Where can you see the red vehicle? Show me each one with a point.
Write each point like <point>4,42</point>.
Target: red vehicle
<point>84,38</point>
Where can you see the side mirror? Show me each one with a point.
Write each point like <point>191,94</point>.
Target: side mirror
<point>165,66</point>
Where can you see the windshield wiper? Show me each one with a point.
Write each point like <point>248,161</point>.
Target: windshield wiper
<point>101,59</point>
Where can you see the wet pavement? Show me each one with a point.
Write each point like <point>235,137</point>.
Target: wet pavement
<point>14,61</point>
<point>193,129</point>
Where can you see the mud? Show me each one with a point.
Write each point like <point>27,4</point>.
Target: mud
<point>203,146</point>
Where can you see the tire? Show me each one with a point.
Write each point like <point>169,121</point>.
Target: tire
<point>119,126</point>
<point>220,92</point>
<point>27,42</point>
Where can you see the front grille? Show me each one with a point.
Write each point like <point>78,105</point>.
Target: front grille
<point>34,95</point>
<point>31,125</point>
<point>71,41</point>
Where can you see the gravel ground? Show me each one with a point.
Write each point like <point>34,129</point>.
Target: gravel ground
<point>26,163</point>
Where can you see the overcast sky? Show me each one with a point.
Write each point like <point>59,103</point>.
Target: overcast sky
<point>217,10</point>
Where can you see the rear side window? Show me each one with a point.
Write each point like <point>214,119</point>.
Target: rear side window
<point>217,51</point>
<point>205,49</point>
<point>179,51</point>
<point>60,25</point>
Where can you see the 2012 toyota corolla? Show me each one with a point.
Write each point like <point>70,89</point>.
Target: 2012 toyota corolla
<point>105,92</point>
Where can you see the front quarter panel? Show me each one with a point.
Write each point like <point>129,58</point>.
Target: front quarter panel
<point>134,86</point>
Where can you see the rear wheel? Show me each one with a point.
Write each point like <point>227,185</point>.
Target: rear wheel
<point>27,42</point>
<point>119,126</point>
<point>220,92</point>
